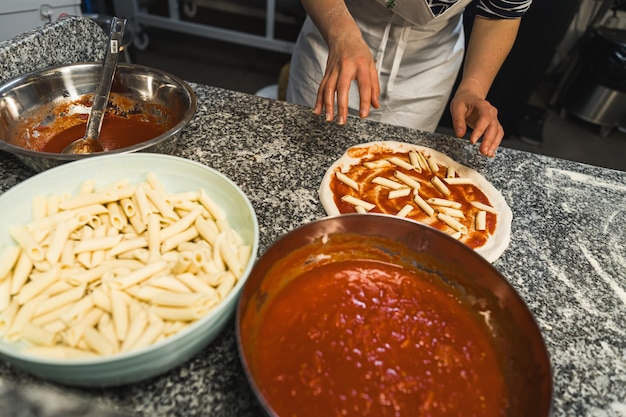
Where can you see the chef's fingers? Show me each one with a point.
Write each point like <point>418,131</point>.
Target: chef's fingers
<point>458,111</point>
<point>326,95</point>
<point>491,139</point>
<point>375,97</point>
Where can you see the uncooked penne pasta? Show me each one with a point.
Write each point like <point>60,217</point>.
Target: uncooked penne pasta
<point>386,182</point>
<point>400,162</point>
<point>358,202</point>
<point>119,268</point>
<point>458,181</point>
<point>484,207</point>
<point>402,192</point>
<point>453,223</point>
<point>481,220</point>
<point>8,259</point>
<point>452,212</point>
<point>423,204</point>
<point>444,202</point>
<point>40,207</point>
<point>404,211</point>
<point>439,185</point>
<point>347,180</point>
<point>414,158</point>
<point>408,180</point>
<point>26,241</point>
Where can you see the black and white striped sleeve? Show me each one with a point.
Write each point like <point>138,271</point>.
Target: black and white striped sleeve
<point>502,9</point>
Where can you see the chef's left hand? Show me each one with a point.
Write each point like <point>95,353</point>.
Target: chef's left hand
<point>469,109</point>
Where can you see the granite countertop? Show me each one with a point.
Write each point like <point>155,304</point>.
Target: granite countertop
<point>566,258</point>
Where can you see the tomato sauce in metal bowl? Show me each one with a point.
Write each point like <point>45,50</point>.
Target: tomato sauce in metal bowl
<point>373,339</point>
<point>371,315</point>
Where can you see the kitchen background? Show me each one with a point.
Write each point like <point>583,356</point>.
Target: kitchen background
<point>561,92</point>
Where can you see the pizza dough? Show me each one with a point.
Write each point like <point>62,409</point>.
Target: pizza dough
<point>393,188</point>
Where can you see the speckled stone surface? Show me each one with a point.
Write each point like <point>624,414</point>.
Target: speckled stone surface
<point>567,256</point>
<point>74,39</point>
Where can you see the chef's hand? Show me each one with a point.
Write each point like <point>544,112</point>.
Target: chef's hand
<point>349,58</point>
<point>469,109</point>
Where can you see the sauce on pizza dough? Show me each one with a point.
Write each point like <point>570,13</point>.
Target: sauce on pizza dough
<point>378,194</point>
<point>367,338</point>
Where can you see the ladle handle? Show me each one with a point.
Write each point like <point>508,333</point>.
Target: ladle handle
<point>101,96</point>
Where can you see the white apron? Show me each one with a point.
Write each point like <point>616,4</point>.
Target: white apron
<point>418,57</point>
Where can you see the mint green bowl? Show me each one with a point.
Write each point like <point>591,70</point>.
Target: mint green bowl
<point>177,175</point>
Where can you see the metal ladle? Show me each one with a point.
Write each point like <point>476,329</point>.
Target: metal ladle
<point>90,143</point>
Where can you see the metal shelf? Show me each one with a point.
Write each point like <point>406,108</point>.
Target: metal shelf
<point>139,17</point>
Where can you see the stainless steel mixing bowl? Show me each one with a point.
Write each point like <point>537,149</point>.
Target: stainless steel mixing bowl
<point>39,92</point>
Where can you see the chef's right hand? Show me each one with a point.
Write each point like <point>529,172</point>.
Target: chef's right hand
<point>349,58</point>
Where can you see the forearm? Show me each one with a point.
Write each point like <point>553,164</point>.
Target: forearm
<point>490,42</point>
<point>332,19</point>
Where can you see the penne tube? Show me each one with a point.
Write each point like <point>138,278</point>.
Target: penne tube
<point>116,215</point>
<point>452,212</point>
<point>150,334</point>
<point>119,314</point>
<point>63,299</point>
<point>459,181</point>
<point>5,292</point>
<point>453,223</point>
<point>451,172</point>
<point>207,229</point>
<point>414,158</point>
<point>139,275</point>
<point>444,203</point>
<point>26,241</point>
<point>170,283</point>
<point>404,211</point>
<point>176,299</point>
<point>127,245</point>
<point>128,207</point>
<point>38,335</point>
<point>34,287</point>
<point>136,329</point>
<point>182,263</point>
<point>422,162</point>
<point>160,202</point>
<point>97,243</point>
<point>143,205</point>
<point>104,197</point>
<point>115,185</point>
<point>180,225</point>
<point>7,315</point>
<point>226,285</point>
<point>76,331</point>
<point>408,180</point>
<point>481,220</point>
<point>195,284</point>
<point>98,343</point>
<point>153,180</point>
<point>485,207</point>
<point>347,180</point>
<point>8,259</point>
<point>423,204</point>
<point>400,162</point>
<point>360,209</point>
<point>402,192</point>
<point>229,255</point>
<point>432,164</point>
<point>56,326</point>
<point>440,186</point>
<point>100,298</point>
<point>184,236</point>
<point>40,207</point>
<point>105,328</point>
<point>87,187</point>
<point>182,314</point>
<point>358,202</point>
<point>67,255</point>
<point>211,206</point>
<point>23,315</point>
<point>379,163</point>
<point>59,238</point>
<point>385,182</point>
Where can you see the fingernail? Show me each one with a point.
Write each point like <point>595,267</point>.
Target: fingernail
<point>341,120</point>
<point>363,113</point>
<point>329,117</point>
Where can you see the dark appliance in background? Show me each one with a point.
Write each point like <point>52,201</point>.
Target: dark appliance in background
<point>541,31</point>
<point>595,88</point>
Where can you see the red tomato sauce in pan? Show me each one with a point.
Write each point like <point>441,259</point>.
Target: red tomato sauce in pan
<point>366,338</point>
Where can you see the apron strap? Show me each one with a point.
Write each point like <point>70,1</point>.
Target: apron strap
<point>400,48</point>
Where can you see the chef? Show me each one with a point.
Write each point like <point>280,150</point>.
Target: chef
<point>396,61</point>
